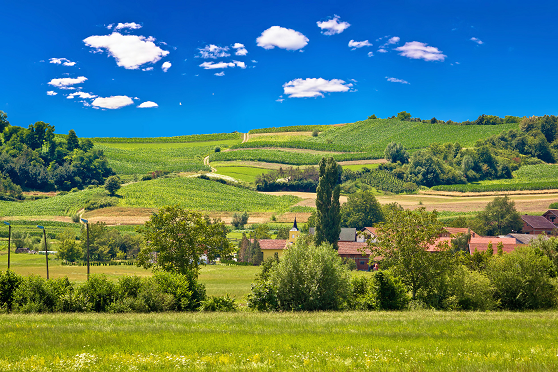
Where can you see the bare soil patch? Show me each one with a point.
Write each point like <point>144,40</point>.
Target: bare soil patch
<point>120,215</point>
<point>288,149</point>
<point>281,134</point>
<point>40,193</point>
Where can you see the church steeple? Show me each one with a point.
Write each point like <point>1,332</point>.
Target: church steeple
<point>295,227</point>
<point>293,233</point>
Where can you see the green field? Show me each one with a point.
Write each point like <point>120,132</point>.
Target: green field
<point>528,177</point>
<point>322,341</point>
<point>176,139</point>
<point>246,174</point>
<point>199,194</point>
<point>284,157</point>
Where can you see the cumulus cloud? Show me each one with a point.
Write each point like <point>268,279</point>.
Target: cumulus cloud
<point>283,38</point>
<point>478,41</point>
<point>112,102</point>
<point>131,26</point>
<point>166,65</point>
<point>147,68</point>
<point>213,51</point>
<point>395,80</point>
<point>382,50</point>
<point>217,65</point>
<point>222,73</point>
<point>358,44</point>
<point>418,50</point>
<point>67,82</point>
<point>80,95</point>
<point>370,54</point>
<point>51,93</point>
<point>130,51</point>
<point>393,40</point>
<point>333,26</point>
<point>303,88</point>
<point>62,61</point>
<point>148,104</point>
<point>240,49</point>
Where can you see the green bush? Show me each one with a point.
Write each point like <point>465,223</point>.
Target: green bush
<point>472,290</point>
<point>187,292</point>
<point>37,295</point>
<point>387,292</point>
<point>99,292</point>
<point>224,303</point>
<point>100,203</point>
<point>522,279</point>
<point>9,283</point>
<point>308,277</point>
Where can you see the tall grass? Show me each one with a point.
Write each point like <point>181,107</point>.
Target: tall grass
<point>384,341</point>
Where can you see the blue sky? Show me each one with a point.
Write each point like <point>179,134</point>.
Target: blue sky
<point>162,68</point>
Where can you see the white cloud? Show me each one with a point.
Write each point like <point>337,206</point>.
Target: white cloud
<point>382,50</point>
<point>395,80</point>
<point>166,65</point>
<point>131,26</point>
<point>283,38</point>
<point>240,49</point>
<point>148,104</point>
<point>279,100</point>
<point>213,51</point>
<point>393,40</point>
<point>62,61</point>
<point>478,41</point>
<point>213,65</point>
<point>67,82</point>
<point>418,50</point>
<point>222,73</point>
<point>358,44</point>
<point>147,68</point>
<point>130,51</point>
<point>303,88</point>
<point>80,95</point>
<point>51,93</point>
<point>333,26</point>
<point>113,102</point>
<point>370,54</point>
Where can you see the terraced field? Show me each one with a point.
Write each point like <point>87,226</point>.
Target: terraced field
<point>199,194</point>
<point>141,158</point>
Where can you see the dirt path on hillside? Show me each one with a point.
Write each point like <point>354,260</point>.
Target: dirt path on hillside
<point>245,137</point>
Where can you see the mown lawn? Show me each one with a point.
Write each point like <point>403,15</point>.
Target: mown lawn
<point>323,341</point>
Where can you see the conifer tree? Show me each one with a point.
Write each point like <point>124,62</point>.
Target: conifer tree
<point>328,218</point>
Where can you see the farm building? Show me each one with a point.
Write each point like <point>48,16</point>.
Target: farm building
<point>538,225</point>
<point>552,216</point>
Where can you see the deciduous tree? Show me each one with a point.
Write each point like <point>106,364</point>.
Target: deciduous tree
<point>361,210</point>
<point>499,217</point>
<point>180,237</point>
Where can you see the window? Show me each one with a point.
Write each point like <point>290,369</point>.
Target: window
<point>362,262</point>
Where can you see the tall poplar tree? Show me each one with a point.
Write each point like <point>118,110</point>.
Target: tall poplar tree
<point>328,218</point>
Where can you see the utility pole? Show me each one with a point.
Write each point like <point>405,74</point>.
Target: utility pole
<point>9,241</point>
<point>46,248</point>
<point>87,226</point>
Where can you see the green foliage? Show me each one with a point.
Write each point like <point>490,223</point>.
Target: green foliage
<point>112,185</point>
<point>395,152</point>
<point>403,116</point>
<point>291,179</point>
<point>68,248</point>
<point>498,218</point>
<point>549,247</point>
<point>224,303</point>
<point>9,283</point>
<point>239,220</point>
<point>471,290</point>
<point>308,278</point>
<point>284,157</point>
<point>361,210</point>
<point>98,203</point>
<point>179,238</point>
<point>328,216</point>
<point>292,128</point>
<point>403,242</point>
<point>522,279</point>
<point>291,142</point>
<point>199,194</point>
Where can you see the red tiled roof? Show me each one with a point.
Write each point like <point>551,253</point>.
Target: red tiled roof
<point>538,222</point>
<point>551,211</point>
<point>272,243</point>
<point>371,230</point>
<point>352,248</point>
<point>481,244</point>
<point>459,230</point>
<point>438,243</point>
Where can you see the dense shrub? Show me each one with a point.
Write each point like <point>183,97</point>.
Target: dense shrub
<point>99,292</point>
<point>308,277</point>
<point>217,303</point>
<point>522,279</point>
<point>381,291</point>
<point>100,203</point>
<point>472,290</point>
<point>9,282</point>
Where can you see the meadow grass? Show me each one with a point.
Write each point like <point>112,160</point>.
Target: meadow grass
<point>202,195</point>
<point>321,341</point>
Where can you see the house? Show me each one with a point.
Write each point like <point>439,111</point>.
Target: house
<point>356,251</point>
<point>481,244</point>
<point>348,234</point>
<point>271,246</point>
<point>523,238</point>
<point>552,216</point>
<point>366,234</point>
<point>538,225</point>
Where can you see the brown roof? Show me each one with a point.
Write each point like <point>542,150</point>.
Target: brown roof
<point>551,211</point>
<point>481,244</point>
<point>371,230</point>
<point>538,222</point>
<point>353,248</point>
<point>272,243</point>
<point>438,244</point>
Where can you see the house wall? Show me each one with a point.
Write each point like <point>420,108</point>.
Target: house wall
<point>362,262</point>
<point>271,252</point>
<point>528,229</point>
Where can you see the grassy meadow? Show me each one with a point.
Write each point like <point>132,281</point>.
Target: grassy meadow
<point>322,341</point>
